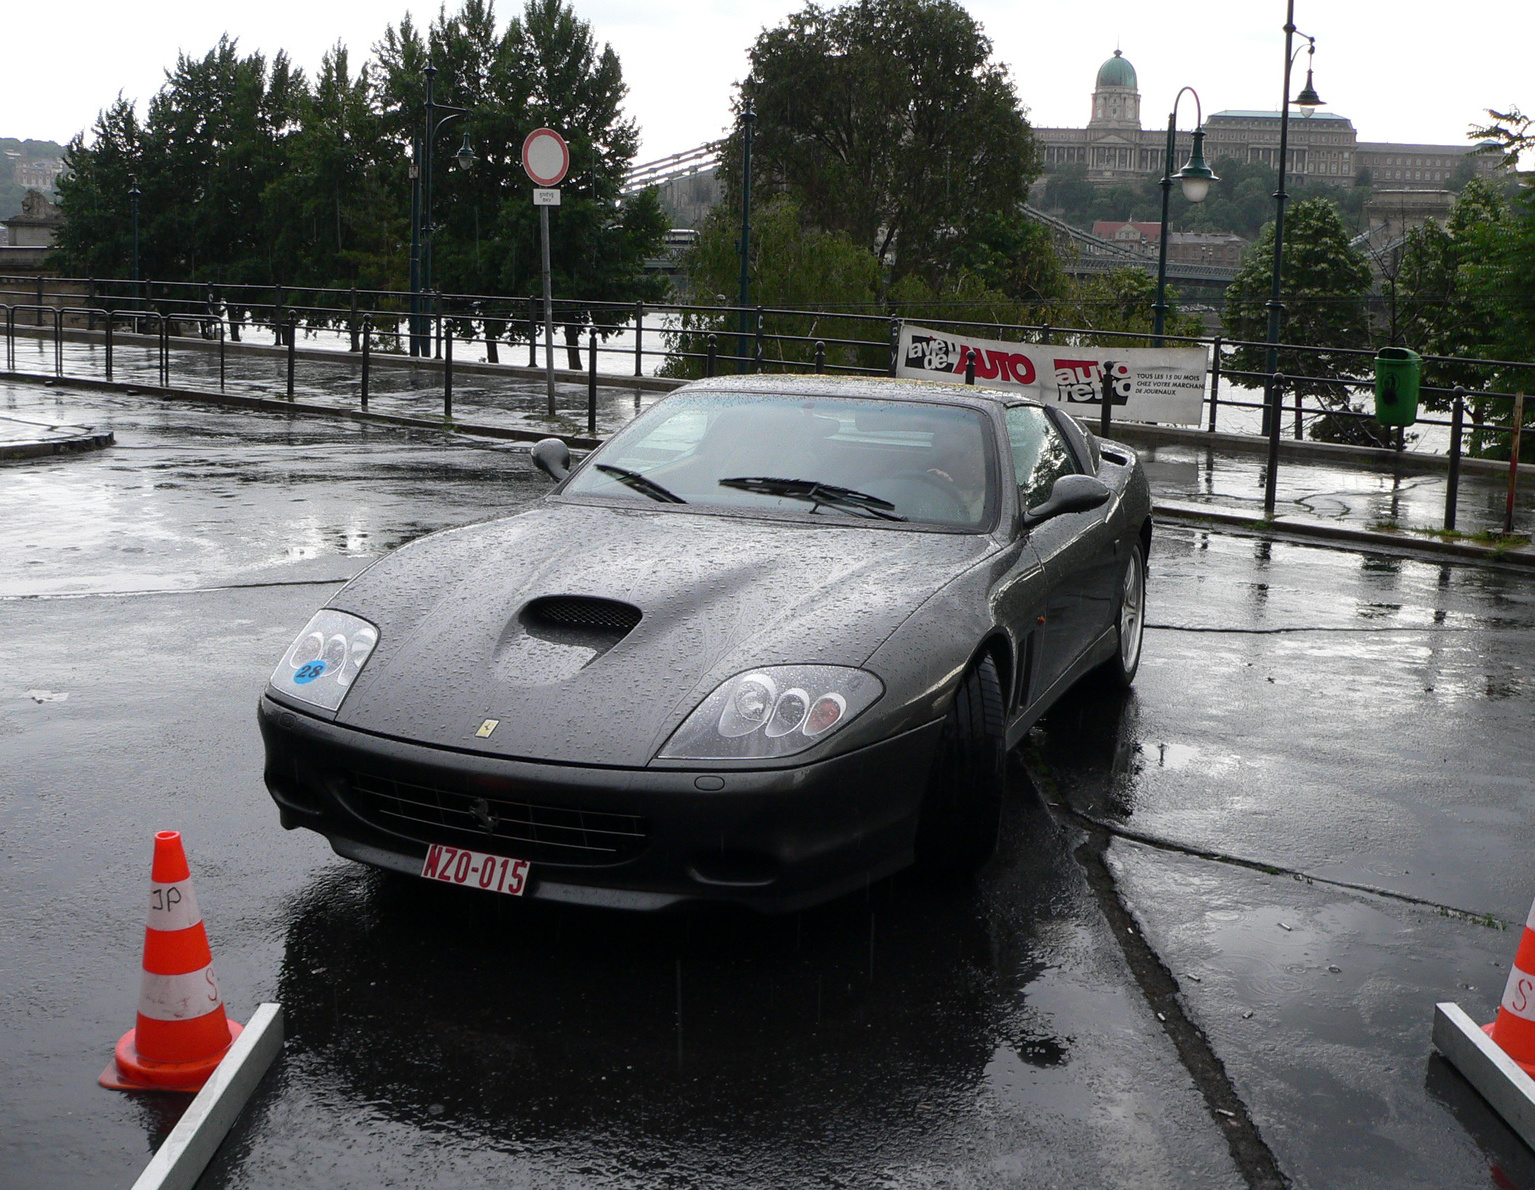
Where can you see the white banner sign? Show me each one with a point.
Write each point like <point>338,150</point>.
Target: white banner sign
<point>1160,384</point>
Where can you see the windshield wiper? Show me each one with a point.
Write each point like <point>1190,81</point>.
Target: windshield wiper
<point>647,487</point>
<point>845,499</point>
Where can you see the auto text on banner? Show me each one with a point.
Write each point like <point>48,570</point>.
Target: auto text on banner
<point>1148,384</point>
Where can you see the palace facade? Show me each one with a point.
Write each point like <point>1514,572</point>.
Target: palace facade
<point>1115,149</point>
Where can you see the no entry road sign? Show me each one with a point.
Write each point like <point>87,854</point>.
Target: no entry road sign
<point>545,156</point>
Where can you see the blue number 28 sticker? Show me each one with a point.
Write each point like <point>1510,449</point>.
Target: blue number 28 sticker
<point>308,673</point>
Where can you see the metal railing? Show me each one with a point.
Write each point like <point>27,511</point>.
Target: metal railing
<point>692,339</point>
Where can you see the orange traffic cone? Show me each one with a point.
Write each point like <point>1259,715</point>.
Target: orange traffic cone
<point>182,1032</point>
<point>1513,1029</point>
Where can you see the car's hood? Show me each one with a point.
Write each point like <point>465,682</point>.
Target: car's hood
<point>718,594</point>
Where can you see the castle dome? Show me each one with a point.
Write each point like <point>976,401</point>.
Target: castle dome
<point>1116,72</point>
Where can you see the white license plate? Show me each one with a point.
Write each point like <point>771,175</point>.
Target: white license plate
<point>476,869</point>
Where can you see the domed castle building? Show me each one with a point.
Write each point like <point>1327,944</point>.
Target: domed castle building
<point>1115,149</point>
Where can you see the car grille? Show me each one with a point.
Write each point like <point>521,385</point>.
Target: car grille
<point>543,834</point>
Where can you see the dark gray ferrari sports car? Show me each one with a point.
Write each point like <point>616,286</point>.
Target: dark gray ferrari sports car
<point>766,644</point>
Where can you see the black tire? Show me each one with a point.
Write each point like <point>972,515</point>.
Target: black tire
<point>957,831</point>
<point>1129,621</point>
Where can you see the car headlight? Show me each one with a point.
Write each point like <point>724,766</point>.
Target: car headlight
<point>326,658</point>
<point>775,711</point>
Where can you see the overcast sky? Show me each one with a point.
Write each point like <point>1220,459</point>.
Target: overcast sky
<point>1403,71</point>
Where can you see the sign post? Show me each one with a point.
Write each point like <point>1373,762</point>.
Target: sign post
<point>546,160</point>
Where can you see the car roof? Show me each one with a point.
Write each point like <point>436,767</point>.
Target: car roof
<point>881,387</point>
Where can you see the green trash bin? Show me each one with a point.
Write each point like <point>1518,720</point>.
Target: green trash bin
<point>1397,371</point>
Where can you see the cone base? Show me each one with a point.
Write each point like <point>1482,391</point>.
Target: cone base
<point>129,1072</point>
<point>1527,1067</point>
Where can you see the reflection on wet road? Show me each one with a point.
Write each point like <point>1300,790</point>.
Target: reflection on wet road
<point>909,1035</point>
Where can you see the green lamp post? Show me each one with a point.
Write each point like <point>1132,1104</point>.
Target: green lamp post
<point>1308,101</point>
<point>1196,178</point>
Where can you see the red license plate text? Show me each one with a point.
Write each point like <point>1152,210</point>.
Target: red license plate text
<point>476,869</point>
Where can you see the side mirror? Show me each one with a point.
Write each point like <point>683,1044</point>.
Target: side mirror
<point>1071,493</point>
<point>552,457</point>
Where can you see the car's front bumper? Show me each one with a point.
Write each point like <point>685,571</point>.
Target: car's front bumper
<point>773,839</point>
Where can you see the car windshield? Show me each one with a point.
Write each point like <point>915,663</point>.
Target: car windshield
<point>824,456</point>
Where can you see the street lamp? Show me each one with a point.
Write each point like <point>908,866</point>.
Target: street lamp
<point>748,121</point>
<point>464,158</point>
<point>421,204</point>
<point>1196,177</point>
<point>1308,101</point>
<point>133,200</point>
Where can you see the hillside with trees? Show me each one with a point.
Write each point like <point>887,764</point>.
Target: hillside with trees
<point>1240,203</point>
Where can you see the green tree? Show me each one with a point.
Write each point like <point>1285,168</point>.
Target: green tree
<point>250,174</point>
<point>333,214</point>
<point>888,121</point>
<point>1122,301</point>
<point>1453,289</point>
<point>791,266</point>
<point>1497,278</point>
<point>1507,134</point>
<point>215,139</point>
<point>544,68</point>
<point>1325,286</point>
<point>96,239</point>
<point>1012,255</point>
<point>1425,301</point>
<point>1240,203</point>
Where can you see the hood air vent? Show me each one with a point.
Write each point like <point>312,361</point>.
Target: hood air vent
<point>583,611</point>
<point>580,620</point>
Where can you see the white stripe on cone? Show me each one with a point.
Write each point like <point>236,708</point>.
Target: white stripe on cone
<point>173,906</point>
<point>1519,991</point>
<point>179,997</point>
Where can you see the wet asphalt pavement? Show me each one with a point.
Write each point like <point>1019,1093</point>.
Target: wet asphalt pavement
<point>1344,739</point>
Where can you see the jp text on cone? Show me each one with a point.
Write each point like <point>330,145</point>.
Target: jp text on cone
<point>182,1032</point>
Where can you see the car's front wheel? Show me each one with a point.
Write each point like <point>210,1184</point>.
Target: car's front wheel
<point>957,831</point>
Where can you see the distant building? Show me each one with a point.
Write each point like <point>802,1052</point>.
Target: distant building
<point>1130,235</point>
<point>1205,247</point>
<point>1392,212</point>
<point>37,175</point>
<point>1187,247</point>
<point>1114,148</point>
